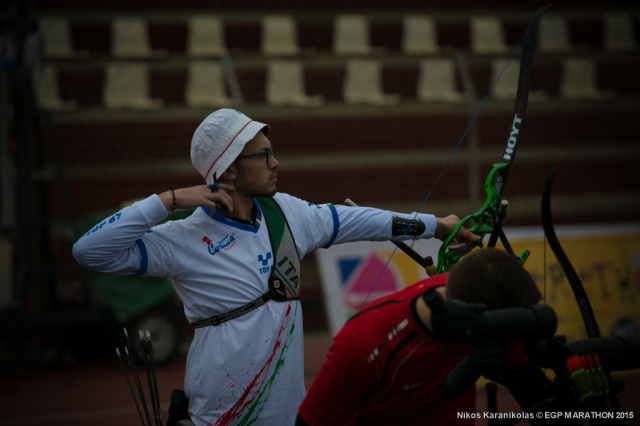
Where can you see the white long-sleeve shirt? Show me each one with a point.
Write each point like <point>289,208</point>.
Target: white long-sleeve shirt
<point>248,370</point>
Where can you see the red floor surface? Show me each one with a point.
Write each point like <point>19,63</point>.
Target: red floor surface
<point>98,395</point>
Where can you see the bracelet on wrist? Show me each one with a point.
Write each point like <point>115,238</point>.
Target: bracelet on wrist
<point>175,201</point>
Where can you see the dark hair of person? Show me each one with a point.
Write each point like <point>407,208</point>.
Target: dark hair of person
<point>493,277</point>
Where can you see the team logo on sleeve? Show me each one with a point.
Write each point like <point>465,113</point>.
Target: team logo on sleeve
<point>320,205</point>
<point>224,244</point>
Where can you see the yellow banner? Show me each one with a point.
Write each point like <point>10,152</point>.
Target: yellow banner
<point>609,268</point>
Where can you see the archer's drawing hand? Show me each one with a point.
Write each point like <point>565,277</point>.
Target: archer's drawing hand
<point>446,225</point>
<point>198,196</point>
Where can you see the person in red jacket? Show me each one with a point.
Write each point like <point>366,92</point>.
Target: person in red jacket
<point>387,366</point>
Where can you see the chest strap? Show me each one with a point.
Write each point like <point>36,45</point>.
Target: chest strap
<point>284,279</point>
<point>218,319</point>
<point>276,292</point>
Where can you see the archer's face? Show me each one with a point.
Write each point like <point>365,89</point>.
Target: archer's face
<point>255,177</point>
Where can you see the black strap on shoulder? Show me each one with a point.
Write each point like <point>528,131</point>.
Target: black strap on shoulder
<point>285,276</point>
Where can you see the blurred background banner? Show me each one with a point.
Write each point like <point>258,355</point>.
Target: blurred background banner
<point>606,257</point>
<point>355,272</point>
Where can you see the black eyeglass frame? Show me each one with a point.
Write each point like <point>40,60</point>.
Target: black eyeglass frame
<point>268,154</point>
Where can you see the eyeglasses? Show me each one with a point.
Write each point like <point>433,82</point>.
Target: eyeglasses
<point>268,154</point>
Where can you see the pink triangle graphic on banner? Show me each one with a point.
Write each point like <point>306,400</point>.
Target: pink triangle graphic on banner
<point>362,281</point>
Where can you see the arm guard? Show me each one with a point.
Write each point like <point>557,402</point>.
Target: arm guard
<point>400,227</point>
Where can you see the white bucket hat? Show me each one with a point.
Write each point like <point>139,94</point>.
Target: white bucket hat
<point>219,139</point>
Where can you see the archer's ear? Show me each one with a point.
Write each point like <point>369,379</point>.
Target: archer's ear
<point>231,173</point>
